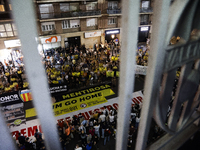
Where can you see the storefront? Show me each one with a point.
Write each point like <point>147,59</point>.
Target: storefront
<point>11,55</point>
<point>91,38</point>
<point>143,33</point>
<point>112,35</point>
<point>72,41</point>
<point>51,42</point>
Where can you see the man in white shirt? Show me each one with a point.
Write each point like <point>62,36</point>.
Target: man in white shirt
<point>96,127</point>
<point>78,148</point>
<point>102,117</point>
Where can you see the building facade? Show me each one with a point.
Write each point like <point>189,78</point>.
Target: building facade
<point>72,22</point>
<point>62,23</point>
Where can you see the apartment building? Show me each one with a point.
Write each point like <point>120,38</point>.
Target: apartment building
<point>77,22</point>
<point>74,22</point>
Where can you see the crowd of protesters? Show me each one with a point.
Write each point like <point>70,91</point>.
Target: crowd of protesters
<point>80,67</point>
<point>101,126</point>
<point>142,56</point>
<point>75,66</point>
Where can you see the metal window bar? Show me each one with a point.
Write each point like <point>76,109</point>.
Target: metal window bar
<point>24,16</point>
<point>130,21</point>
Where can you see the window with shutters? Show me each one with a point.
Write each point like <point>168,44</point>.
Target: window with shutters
<point>65,7</point>
<point>48,26</point>
<point>113,5</point>
<point>91,6</point>
<point>2,9</point>
<point>112,21</point>
<point>91,22</point>
<point>8,30</point>
<point>66,24</point>
<point>46,10</point>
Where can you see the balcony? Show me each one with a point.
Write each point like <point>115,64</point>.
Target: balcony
<point>145,23</point>
<point>69,30</point>
<point>48,32</point>
<point>114,11</point>
<point>146,10</point>
<point>69,14</point>
<point>92,28</point>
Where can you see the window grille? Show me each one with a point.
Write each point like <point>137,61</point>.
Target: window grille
<point>112,21</point>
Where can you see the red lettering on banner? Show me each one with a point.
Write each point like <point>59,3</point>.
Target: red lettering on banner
<point>139,98</point>
<point>40,129</point>
<point>136,100</point>
<point>102,108</point>
<point>91,112</point>
<point>23,131</point>
<point>16,134</point>
<point>31,131</point>
<point>108,107</point>
<point>86,115</point>
<point>115,105</point>
<point>133,101</point>
<point>68,119</point>
<point>97,110</point>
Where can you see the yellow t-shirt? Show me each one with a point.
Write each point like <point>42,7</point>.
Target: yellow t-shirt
<point>78,74</point>
<point>13,79</point>
<point>55,82</point>
<point>19,72</point>
<point>117,73</point>
<point>7,74</point>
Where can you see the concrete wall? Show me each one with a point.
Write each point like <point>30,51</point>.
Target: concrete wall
<point>83,24</point>
<point>89,42</point>
<point>2,46</point>
<point>58,25</point>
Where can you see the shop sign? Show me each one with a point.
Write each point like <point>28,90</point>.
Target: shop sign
<point>12,43</point>
<point>12,109</point>
<point>92,34</point>
<point>144,29</point>
<point>141,70</point>
<point>52,39</point>
<point>117,31</point>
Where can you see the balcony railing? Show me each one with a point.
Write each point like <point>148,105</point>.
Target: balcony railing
<point>146,10</point>
<point>113,11</point>
<point>145,23</point>
<point>69,14</point>
<point>92,27</point>
<point>69,30</point>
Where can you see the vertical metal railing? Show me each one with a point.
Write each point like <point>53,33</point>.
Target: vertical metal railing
<point>6,142</point>
<point>24,17</point>
<point>130,11</point>
<point>154,71</point>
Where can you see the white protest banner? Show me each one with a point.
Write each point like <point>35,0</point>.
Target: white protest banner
<point>141,70</point>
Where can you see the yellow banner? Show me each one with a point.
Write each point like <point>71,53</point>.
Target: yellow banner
<point>81,102</point>
<point>77,103</point>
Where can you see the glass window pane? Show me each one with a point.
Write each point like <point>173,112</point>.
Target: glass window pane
<point>74,23</point>
<point>46,8</point>
<point>91,6</point>
<point>74,6</point>
<point>10,6</point>
<point>3,34</point>
<point>8,27</point>
<point>14,27</point>
<point>2,28</point>
<point>53,27</point>
<point>64,7</point>
<point>2,8</point>
<point>10,33</point>
<point>15,32</point>
<point>145,4</point>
